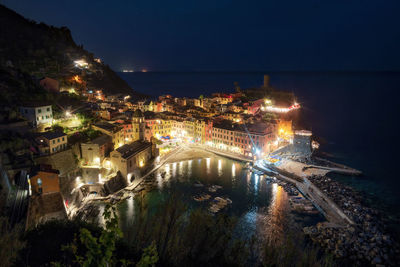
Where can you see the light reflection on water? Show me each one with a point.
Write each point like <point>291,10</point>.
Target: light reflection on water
<point>174,169</point>
<point>219,167</point>
<point>130,212</point>
<point>190,167</point>
<point>180,170</point>
<point>262,208</point>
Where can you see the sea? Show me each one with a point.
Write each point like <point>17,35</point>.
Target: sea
<point>354,113</point>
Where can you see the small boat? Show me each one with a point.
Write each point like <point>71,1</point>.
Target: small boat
<point>202,197</point>
<point>214,188</point>
<point>198,184</point>
<point>219,203</point>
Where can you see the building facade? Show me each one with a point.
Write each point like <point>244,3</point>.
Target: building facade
<point>52,142</point>
<point>44,179</point>
<point>94,152</point>
<point>130,158</point>
<point>37,114</point>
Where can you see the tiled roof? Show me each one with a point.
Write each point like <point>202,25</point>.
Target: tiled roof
<point>132,149</point>
<point>52,135</point>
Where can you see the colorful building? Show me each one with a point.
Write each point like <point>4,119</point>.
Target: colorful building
<point>44,179</point>
<point>130,158</point>
<point>52,142</point>
<point>252,140</point>
<point>116,133</point>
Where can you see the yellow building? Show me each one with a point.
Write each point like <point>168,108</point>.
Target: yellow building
<point>117,133</point>
<point>52,142</point>
<point>138,125</point>
<point>130,158</point>
<point>160,127</point>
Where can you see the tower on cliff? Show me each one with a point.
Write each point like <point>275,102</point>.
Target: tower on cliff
<point>266,81</point>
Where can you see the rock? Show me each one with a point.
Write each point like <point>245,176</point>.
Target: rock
<point>376,260</point>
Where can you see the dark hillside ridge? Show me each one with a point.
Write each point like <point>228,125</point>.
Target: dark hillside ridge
<point>42,50</point>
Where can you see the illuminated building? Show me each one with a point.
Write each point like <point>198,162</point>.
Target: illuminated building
<point>131,157</point>
<point>81,63</point>
<point>115,132</point>
<point>52,142</point>
<point>138,125</point>
<point>44,179</point>
<point>37,114</point>
<point>46,202</point>
<point>302,143</point>
<point>94,152</point>
<point>234,138</point>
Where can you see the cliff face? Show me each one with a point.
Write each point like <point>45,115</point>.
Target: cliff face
<point>41,50</point>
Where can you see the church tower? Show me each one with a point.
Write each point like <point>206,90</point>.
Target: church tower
<point>138,125</point>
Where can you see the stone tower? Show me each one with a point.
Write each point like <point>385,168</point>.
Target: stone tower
<point>138,125</point>
<point>266,81</point>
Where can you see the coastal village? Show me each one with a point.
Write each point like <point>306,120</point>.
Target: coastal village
<point>70,164</point>
<point>78,145</point>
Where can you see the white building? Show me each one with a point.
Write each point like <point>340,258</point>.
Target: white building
<point>302,143</point>
<point>37,114</point>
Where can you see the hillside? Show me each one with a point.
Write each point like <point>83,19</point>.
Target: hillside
<point>41,50</point>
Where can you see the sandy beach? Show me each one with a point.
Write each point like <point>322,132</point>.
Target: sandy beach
<point>189,153</point>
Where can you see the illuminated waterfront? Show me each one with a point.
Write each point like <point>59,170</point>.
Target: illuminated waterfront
<point>262,208</point>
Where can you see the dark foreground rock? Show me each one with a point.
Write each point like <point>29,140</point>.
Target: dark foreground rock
<point>365,243</point>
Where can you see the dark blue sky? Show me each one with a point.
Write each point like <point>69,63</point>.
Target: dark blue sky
<point>230,35</point>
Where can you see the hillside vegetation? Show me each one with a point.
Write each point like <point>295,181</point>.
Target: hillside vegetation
<point>41,50</point>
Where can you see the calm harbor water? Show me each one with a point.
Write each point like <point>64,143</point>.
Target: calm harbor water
<point>261,207</point>
<point>356,113</point>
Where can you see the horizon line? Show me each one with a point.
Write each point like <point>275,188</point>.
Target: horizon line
<point>261,71</point>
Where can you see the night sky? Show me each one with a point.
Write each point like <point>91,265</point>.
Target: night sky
<point>222,35</point>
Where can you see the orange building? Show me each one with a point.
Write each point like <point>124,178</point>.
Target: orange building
<point>44,179</point>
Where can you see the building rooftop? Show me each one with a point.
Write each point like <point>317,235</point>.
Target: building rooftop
<point>52,135</point>
<point>35,105</point>
<point>106,126</point>
<point>132,149</point>
<point>257,128</point>
<point>42,168</point>
<point>101,140</point>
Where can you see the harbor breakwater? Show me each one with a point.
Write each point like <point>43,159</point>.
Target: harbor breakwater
<point>354,233</point>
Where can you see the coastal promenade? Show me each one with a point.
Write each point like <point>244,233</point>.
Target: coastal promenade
<point>137,182</point>
<point>326,206</point>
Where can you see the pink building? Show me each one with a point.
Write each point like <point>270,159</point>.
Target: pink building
<point>257,140</point>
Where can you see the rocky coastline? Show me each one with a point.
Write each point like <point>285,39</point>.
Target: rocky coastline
<point>367,242</point>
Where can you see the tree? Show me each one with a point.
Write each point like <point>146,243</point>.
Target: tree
<point>99,250</point>
<point>149,256</point>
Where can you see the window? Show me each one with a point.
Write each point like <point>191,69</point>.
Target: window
<point>63,138</point>
<point>54,141</point>
<point>39,110</point>
<point>58,140</point>
<point>48,109</point>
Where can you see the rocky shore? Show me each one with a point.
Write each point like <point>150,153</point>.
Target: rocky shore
<point>365,243</point>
